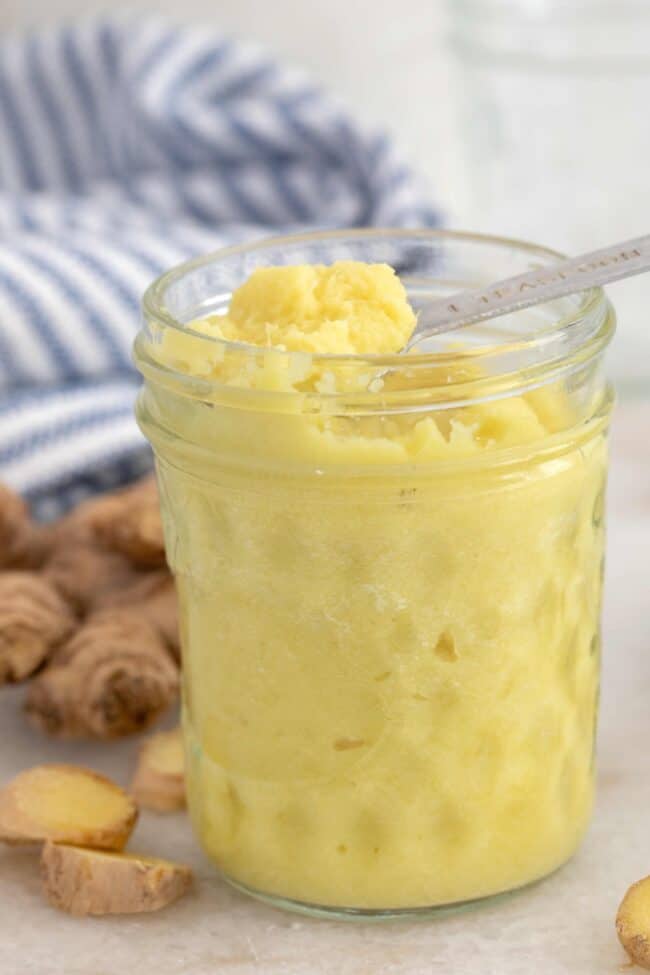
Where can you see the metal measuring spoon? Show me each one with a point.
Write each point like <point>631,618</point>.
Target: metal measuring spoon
<point>532,288</point>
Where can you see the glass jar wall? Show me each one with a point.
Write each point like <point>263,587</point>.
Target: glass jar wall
<point>389,572</point>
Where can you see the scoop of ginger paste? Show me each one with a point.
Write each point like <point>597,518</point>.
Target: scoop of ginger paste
<point>346,308</point>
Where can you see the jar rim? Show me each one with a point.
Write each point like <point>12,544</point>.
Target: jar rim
<point>590,325</point>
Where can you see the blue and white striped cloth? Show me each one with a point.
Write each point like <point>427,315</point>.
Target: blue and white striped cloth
<point>126,146</point>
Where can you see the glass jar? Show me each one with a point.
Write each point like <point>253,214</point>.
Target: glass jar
<point>553,98</point>
<point>389,570</point>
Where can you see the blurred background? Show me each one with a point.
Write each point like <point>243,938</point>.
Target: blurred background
<point>525,117</point>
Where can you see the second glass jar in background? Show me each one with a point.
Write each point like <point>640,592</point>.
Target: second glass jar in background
<point>552,98</point>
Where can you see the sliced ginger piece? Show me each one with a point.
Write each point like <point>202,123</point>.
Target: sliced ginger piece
<point>633,923</point>
<point>159,780</point>
<point>83,881</point>
<point>67,804</point>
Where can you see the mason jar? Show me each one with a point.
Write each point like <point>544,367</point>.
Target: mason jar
<point>389,571</point>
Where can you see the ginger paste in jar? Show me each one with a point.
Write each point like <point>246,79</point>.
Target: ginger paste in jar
<point>390,616</point>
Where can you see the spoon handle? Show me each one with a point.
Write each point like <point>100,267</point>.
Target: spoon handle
<point>534,287</point>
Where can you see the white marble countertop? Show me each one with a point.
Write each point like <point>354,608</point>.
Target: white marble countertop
<point>563,926</point>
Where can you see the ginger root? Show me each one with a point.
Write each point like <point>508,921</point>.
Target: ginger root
<point>115,676</point>
<point>34,621</point>
<point>84,574</point>
<point>66,804</point>
<point>100,615</point>
<point>83,881</point>
<point>102,546</point>
<point>633,923</point>
<point>129,522</point>
<point>159,779</point>
<point>23,545</point>
<point>153,595</point>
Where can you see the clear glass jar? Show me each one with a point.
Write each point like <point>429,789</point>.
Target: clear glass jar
<point>553,99</point>
<point>390,574</point>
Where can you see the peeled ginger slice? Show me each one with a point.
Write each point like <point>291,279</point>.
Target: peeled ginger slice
<point>159,780</point>
<point>66,804</point>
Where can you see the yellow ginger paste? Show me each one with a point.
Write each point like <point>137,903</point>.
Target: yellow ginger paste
<point>390,634</point>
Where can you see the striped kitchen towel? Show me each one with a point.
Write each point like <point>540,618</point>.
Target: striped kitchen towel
<point>127,145</point>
